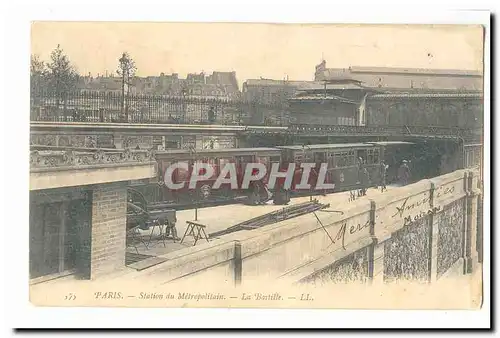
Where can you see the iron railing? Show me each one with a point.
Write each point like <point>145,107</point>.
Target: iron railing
<point>92,106</point>
<point>420,131</point>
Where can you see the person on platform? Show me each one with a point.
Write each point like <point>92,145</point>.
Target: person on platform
<point>365,181</point>
<point>404,173</point>
<point>260,193</point>
<point>383,176</point>
<point>360,177</point>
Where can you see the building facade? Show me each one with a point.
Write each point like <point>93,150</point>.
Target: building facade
<point>336,102</point>
<point>405,78</point>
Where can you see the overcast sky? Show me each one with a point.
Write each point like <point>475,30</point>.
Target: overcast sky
<point>255,50</point>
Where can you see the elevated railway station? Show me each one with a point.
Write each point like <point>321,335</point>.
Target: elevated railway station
<point>85,163</point>
<point>318,245</point>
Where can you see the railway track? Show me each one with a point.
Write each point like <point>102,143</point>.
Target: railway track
<point>273,217</point>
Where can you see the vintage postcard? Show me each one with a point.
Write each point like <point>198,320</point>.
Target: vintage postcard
<point>256,165</point>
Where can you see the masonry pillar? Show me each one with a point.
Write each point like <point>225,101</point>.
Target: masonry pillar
<point>199,142</point>
<point>434,238</point>
<point>377,262</point>
<point>109,227</point>
<point>470,235</point>
<point>376,253</point>
<point>237,264</point>
<point>479,230</point>
<point>118,141</point>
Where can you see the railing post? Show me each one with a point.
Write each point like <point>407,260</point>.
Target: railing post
<point>237,263</point>
<point>375,252</point>
<point>433,238</point>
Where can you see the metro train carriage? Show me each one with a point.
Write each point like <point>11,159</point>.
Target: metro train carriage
<point>217,159</point>
<point>341,158</point>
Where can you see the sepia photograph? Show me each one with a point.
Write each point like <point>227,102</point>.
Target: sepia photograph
<point>256,165</point>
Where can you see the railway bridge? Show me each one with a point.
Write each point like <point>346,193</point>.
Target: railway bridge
<point>464,144</point>
<point>153,136</point>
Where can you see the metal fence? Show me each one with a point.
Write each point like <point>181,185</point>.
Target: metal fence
<point>91,106</point>
<point>94,106</point>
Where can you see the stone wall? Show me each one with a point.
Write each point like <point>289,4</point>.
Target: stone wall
<point>398,111</point>
<point>134,141</point>
<point>420,232</point>
<point>109,222</point>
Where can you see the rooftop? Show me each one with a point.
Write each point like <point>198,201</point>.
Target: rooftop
<point>282,83</point>
<point>415,71</point>
<point>322,97</point>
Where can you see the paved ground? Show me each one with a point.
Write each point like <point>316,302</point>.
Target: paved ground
<point>221,217</point>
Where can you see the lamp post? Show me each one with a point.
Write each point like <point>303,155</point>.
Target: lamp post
<point>183,99</point>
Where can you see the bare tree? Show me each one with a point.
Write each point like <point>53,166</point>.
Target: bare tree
<point>62,76</point>
<point>126,69</point>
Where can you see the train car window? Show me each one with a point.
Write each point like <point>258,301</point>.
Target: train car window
<point>286,156</point>
<point>264,160</point>
<point>243,161</point>
<point>331,160</point>
<point>181,174</point>
<point>369,159</point>
<point>342,162</point>
<point>274,159</point>
<point>352,157</point>
<point>319,157</point>
<point>213,162</point>
<point>223,162</point>
<point>361,153</point>
<point>162,167</point>
<point>308,156</point>
<point>210,161</point>
<point>337,159</point>
<point>298,157</point>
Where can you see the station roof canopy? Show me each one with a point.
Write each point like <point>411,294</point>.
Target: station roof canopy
<point>390,143</point>
<point>328,146</point>
<point>221,152</point>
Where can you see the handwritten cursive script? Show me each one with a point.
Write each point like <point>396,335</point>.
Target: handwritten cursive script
<point>447,190</point>
<point>352,230</point>
<point>410,219</point>
<point>404,207</point>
